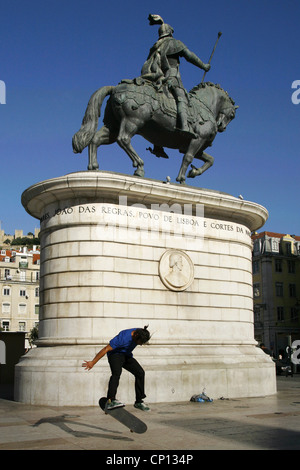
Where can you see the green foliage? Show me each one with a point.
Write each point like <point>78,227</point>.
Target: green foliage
<point>33,335</point>
<point>25,241</point>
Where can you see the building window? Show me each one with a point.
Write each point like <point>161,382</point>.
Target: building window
<point>6,308</point>
<point>36,309</point>
<point>279,289</point>
<point>257,315</point>
<point>22,326</point>
<point>5,325</point>
<point>37,292</point>
<point>22,293</point>
<point>22,309</point>
<point>6,290</point>
<point>280,313</point>
<point>289,248</point>
<point>256,290</point>
<point>256,246</point>
<point>291,267</point>
<point>292,290</point>
<point>255,267</point>
<point>23,263</point>
<point>278,265</point>
<point>294,314</point>
<point>7,273</point>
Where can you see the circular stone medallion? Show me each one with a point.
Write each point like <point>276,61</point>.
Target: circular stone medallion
<point>176,270</point>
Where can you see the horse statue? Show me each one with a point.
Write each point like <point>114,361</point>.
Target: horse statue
<point>141,107</point>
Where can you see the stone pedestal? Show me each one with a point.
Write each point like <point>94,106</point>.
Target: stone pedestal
<point>120,252</point>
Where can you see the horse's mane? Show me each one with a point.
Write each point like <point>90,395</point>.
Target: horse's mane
<point>209,84</point>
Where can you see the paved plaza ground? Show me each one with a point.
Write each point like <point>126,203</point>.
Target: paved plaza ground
<point>264,423</point>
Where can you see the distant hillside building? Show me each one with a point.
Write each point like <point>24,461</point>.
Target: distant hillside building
<point>18,234</point>
<point>276,289</point>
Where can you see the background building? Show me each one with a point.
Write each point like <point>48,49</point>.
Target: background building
<point>276,290</point>
<point>19,289</point>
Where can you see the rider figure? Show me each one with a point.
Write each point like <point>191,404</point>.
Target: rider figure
<point>162,65</point>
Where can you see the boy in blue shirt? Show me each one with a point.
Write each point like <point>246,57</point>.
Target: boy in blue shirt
<point>119,354</point>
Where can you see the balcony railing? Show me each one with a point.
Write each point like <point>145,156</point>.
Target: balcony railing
<point>18,277</point>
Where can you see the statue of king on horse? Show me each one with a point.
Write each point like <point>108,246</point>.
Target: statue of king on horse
<point>156,106</point>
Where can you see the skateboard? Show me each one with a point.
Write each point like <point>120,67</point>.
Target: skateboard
<point>123,416</point>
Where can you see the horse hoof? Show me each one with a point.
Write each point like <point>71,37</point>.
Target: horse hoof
<point>193,173</point>
<point>180,180</point>
<point>139,172</point>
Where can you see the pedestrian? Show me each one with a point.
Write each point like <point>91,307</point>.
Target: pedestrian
<point>119,354</point>
<point>289,362</point>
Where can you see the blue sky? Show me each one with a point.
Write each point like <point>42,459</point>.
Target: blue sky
<point>54,55</point>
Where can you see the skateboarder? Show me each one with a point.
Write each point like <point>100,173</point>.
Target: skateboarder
<point>119,354</point>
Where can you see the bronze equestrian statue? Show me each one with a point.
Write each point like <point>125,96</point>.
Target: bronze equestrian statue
<point>157,107</point>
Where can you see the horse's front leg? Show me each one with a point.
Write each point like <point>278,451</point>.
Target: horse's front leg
<point>193,148</point>
<point>206,134</point>
<point>208,162</point>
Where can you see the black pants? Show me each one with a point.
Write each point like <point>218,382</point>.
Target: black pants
<point>119,361</point>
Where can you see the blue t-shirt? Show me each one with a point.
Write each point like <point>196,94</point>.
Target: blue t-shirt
<point>123,343</point>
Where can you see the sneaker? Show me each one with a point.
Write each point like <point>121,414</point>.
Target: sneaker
<point>142,406</point>
<point>111,404</point>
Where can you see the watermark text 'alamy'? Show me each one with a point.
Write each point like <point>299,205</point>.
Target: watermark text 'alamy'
<point>2,92</point>
<point>296,94</point>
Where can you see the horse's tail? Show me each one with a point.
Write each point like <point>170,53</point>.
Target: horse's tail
<point>89,125</point>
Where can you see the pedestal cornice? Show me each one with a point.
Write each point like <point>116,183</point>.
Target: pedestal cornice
<point>98,185</point>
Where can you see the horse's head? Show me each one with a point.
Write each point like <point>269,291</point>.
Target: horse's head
<point>227,110</point>
<point>226,115</point>
<point>217,100</point>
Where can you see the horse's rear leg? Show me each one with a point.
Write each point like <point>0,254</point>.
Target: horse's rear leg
<point>127,130</point>
<point>102,137</point>
<point>93,164</point>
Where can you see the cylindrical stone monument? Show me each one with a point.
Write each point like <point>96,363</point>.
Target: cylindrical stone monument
<point>119,252</point>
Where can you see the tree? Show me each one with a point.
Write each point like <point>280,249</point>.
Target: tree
<point>25,241</point>
<point>33,335</point>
